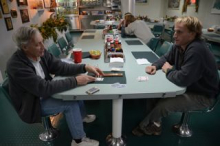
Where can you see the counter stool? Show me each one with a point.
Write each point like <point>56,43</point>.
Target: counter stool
<point>50,133</point>
<point>182,128</point>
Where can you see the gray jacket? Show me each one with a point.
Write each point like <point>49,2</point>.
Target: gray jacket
<point>194,68</point>
<point>26,88</point>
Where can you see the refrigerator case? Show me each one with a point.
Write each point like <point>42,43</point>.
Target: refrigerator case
<point>73,21</point>
<point>70,10</point>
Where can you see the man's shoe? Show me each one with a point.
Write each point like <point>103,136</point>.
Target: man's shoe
<point>85,142</point>
<point>175,128</point>
<point>137,131</point>
<point>89,118</point>
<point>152,129</point>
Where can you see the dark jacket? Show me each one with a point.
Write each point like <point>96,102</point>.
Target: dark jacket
<point>194,68</point>
<point>26,88</point>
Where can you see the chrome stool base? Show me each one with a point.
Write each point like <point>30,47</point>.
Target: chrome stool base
<point>111,141</point>
<point>49,135</point>
<point>182,130</point>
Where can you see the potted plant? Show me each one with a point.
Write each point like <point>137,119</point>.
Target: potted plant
<point>48,28</point>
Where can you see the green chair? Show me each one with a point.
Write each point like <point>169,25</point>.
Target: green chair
<point>69,39</point>
<point>164,48</point>
<point>170,33</point>
<point>50,133</point>
<point>158,30</point>
<point>53,49</point>
<point>62,44</point>
<point>153,43</point>
<point>217,57</point>
<point>182,129</point>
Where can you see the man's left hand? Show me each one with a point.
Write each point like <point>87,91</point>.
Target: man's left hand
<point>166,66</point>
<point>94,70</point>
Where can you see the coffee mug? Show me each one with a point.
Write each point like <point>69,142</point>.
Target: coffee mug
<point>77,55</point>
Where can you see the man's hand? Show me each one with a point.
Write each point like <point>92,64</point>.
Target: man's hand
<point>94,70</point>
<point>151,70</point>
<point>84,79</point>
<point>166,66</point>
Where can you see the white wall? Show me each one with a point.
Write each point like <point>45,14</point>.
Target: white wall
<point>204,13</point>
<point>154,9</point>
<point>7,46</point>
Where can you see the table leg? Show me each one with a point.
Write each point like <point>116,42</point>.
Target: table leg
<point>116,138</point>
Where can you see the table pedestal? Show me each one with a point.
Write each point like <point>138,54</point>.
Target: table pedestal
<point>116,139</point>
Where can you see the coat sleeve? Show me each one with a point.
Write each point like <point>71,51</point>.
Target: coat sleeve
<point>59,68</point>
<point>130,29</point>
<point>168,57</point>
<point>190,71</point>
<point>26,78</point>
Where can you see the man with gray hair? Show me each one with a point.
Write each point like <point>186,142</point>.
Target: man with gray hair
<point>190,64</point>
<point>31,86</point>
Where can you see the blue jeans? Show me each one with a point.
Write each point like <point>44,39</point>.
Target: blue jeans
<point>74,112</point>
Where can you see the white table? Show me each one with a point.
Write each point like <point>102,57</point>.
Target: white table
<point>156,87</point>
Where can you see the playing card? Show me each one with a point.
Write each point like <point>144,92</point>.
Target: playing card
<point>99,79</point>
<point>142,78</point>
<point>118,85</point>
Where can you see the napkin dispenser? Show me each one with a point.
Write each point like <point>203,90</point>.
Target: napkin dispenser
<point>116,62</point>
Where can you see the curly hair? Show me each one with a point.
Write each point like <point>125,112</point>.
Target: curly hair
<point>192,23</point>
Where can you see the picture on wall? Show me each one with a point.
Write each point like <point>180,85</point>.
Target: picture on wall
<point>141,1</point>
<point>47,3</point>
<point>40,4</point>
<point>14,13</point>
<point>36,4</point>
<point>24,15</point>
<point>216,7</point>
<point>8,23</point>
<point>192,2</point>
<point>22,2</point>
<point>4,6</point>
<point>173,4</point>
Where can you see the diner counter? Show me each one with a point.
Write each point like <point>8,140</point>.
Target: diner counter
<point>211,36</point>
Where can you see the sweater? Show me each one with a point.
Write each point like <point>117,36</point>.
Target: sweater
<point>194,68</point>
<point>140,29</point>
<point>26,87</point>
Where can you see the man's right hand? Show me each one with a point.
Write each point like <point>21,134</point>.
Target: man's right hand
<point>84,79</point>
<point>151,70</point>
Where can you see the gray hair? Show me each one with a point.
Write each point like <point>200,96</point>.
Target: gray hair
<point>23,35</point>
